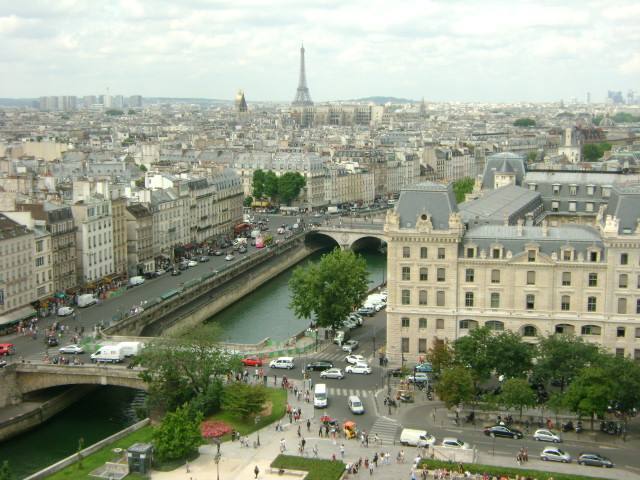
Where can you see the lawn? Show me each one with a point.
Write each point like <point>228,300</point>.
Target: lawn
<point>318,469</point>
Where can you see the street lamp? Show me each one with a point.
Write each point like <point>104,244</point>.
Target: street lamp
<point>216,459</point>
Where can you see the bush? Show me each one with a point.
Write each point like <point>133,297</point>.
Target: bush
<point>318,469</point>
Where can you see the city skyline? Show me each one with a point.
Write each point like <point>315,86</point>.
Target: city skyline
<point>487,51</point>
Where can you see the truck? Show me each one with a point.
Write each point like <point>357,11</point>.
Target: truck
<point>131,349</point>
<point>111,354</point>
<point>341,336</point>
<point>333,209</point>
<point>86,300</point>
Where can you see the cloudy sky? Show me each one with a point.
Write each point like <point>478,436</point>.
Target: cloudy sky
<point>442,50</point>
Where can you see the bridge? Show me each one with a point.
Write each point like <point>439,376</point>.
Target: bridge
<point>350,235</point>
<point>19,379</point>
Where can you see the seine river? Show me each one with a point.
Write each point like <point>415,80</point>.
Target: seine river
<point>107,410</point>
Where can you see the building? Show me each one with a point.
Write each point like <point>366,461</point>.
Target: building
<point>447,276</point>
<point>139,222</point>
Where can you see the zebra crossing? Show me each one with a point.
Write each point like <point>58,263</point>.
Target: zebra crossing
<point>337,358</point>
<point>347,392</point>
<point>386,430</point>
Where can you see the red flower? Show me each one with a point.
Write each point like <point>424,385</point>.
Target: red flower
<point>214,429</point>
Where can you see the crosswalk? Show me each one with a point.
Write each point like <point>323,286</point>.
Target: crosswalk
<point>337,358</point>
<point>386,430</point>
<point>347,392</point>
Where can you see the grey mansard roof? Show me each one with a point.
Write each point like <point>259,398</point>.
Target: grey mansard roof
<point>511,202</point>
<point>505,162</point>
<point>624,203</point>
<point>435,198</point>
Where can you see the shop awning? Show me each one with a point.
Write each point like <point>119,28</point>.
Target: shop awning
<point>17,315</point>
<point>61,295</point>
<point>188,245</point>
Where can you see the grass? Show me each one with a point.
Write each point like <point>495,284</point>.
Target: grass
<point>105,454</point>
<point>318,469</point>
<point>499,472</point>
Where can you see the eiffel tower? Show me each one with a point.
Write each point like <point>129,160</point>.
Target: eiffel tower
<point>302,93</point>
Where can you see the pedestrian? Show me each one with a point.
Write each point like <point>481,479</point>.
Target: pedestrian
<point>299,432</point>
<point>308,425</point>
<point>371,468</point>
<point>188,467</point>
<point>320,431</point>
<point>256,471</point>
<point>342,450</point>
<point>233,435</point>
<point>315,451</point>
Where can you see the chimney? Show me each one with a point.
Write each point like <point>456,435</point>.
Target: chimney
<point>544,227</point>
<point>520,227</point>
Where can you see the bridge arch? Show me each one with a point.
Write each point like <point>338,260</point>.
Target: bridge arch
<point>348,238</point>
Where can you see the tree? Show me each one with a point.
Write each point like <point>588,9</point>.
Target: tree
<point>271,185</point>
<point>244,400</point>
<point>248,201</point>
<point>472,351</point>
<point>5,471</point>
<point>178,435</point>
<point>625,391</point>
<point>590,393</point>
<point>143,168</point>
<point>329,289</point>
<point>456,386</point>
<point>591,152</point>
<point>80,455</point>
<point>441,355</point>
<point>180,367</point>
<point>557,403</point>
<point>516,393</point>
<point>524,122</point>
<point>257,184</point>
<point>462,187</point>
<point>532,157</point>
<point>561,356</point>
<point>289,186</point>
<point>509,355</point>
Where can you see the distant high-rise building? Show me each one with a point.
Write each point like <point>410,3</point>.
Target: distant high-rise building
<point>588,97</point>
<point>135,101</point>
<point>117,101</point>
<point>88,101</point>
<point>614,98</point>
<point>302,93</point>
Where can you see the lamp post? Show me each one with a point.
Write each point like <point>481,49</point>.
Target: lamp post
<point>217,460</point>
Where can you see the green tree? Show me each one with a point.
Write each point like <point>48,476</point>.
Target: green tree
<point>271,185</point>
<point>180,367</point>
<point>456,386</point>
<point>532,157</point>
<point>248,200</point>
<point>257,184</point>
<point>590,393</point>
<point>131,112</point>
<point>591,152</point>
<point>462,187</point>
<point>5,471</point>
<point>557,403</point>
<point>329,289</point>
<point>509,355</point>
<point>441,355</point>
<point>625,391</point>
<point>209,401</point>
<point>114,112</point>
<point>80,455</point>
<point>178,435</point>
<point>289,186</point>
<point>516,393</point>
<point>561,356</point>
<point>244,400</point>
<point>473,351</point>
<point>524,122</point>
<point>143,168</point>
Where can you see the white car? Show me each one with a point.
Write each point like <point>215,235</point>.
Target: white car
<point>555,455</point>
<point>193,263</point>
<point>75,349</point>
<point>418,377</point>
<point>455,443</point>
<point>160,272</point>
<point>353,359</point>
<point>229,257</point>
<point>332,373</point>
<point>359,368</point>
<point>546,436</point>
<point>349,346</point>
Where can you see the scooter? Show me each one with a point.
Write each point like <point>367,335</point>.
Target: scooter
<point>470,418</point>
<point>429,395</point>
<point>578,428</point>
<point>567,427</point>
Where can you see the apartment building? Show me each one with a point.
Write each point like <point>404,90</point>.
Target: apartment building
<point>139,224</point>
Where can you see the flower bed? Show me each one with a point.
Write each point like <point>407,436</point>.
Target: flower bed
<point>214,429</point>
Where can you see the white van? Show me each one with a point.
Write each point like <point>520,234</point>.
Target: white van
<point>111,354</point>
<point>282,362</point>
<point>355,405</point>
<point>416,438</point>
<point>320,399</point>
<point>64,311</point>
<point>137,280</point>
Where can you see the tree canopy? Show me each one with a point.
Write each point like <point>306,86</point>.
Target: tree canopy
<point>257,184</point>
<point>271,185</point>
<point>441,355</point>
<point>244,400</point>
<point>524,122</point>
<point>510,355</point>
<point>456,386</point>
<point>592,152</point>
<point>289,186</point>
<point>590,393</point>
<point>516,393</point>
<point>177,435</point>
<point>473,352</point>
<point>329,289</point>
<point>462,187</point>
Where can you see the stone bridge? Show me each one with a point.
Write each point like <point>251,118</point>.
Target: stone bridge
<point>349,236</point>
<point>20,379</point>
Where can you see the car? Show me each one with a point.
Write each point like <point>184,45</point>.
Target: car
<point>252,361</point>
<point>320,365</point>
<point>450,442</point>
<point>425,367</point>
<point>546,436</point>
<point>283,362</point>
<point>502,431</point>
<point>349,346</point>
<point>150,275</point>
<point>51,341</point>
<point>366,311</point>
<point>555,455</point>
<point>175,272</point>
<point>204,259</point>
<point>353,359</point>
<point>182,266</point>
<point>359,368</point>
<point>418,377</point>
<point>594,459</point>
<point>242,250</point>
<point>350,324</point>
<point>396,372</point>
<point>229,257</point>
<point>75,349</point>
<point>160,272</point>
<point>217,253</point>
<point>193,263</point>
<point>332,373</point>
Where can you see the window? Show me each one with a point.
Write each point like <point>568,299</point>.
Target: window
<point>606,192</point>
<point>441,253</point>
<point>566,278</point>
<point>591,304</point>
<point>469,276</point>
<point>406,273</point>
<point>495,276</point>
<point>440,275</point>
<point>591,189</point>
<point>406,252</point>
<point>495,325</point>
<point>565,303</point>
<point>619,352</point>
<point>422,323</point>
<point>530,302</point>
<point>529,331</point>
<point>423,252</point>
<point>471,252</point>
<point>593,279</point>
<point>620,332</point>
<point>406,322</point>
<point>638,281</point>
<point>531,278</point>
<point>566,255</point>
<point>531,254</point>
<point>555,206</point>
<point>495,253</point>
<point>590,330</point>
<point>424,274</point>
<point>440,299</point>
<point>468,324</point>
<point>406,297</point>
<point>593,256</point>
<point>623,280</point>
<point>468,299</point>
<point>495,300</point>
<point>622,305</point>
<point>572,206</point>
<point>533,187</point>
<point>405,345</point>
<point>589,207</point>
<point>422,345</point>
<point>556,189</point>
<point>573,190</point>
<point>624,259</point>
<point>637,306</point>
<point>440,324</point>
<point>39,261</point>
<point>422,297</point>
<point>39,246</point>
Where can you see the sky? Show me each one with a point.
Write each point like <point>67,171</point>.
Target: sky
<point>442,50</point>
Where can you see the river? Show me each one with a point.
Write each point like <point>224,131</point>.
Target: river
<point>263,313</point>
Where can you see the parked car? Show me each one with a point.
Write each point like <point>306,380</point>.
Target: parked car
<point>193,263</point>
<point>594,459</point>
<point>183,266</point>
<point>229,257</point>
<point>204,259</point>
<point>555,455</point>
<point>160,272</point>
<point>332,373</point>
<point>502,431</point>
<point>367,311</point>
<point>450,442</point>
<point>217,253</point>
<point>425,367</point>
<point>320,365</point>
<point>75,349</point>
<point>546,436</point>
<point>51,341</point>
<point>175,272</point>
<point>349,346</point>
<point>418,377</point>
<point>150,275</point>
<point>353,359</point>
<point>242,250</point>
<point>359,368</point>
<point>252,361</point>
<point>396,372</point>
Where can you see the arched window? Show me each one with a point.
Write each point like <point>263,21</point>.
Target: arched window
<point>529,331</point>
<point>495,325</point>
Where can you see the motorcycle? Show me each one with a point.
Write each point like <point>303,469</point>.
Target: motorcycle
<point>470,418</point>
<point>429,395</point>
<point>578,428</point>
<point>567,427</point>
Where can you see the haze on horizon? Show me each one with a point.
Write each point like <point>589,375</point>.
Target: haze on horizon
<point>445,51</point>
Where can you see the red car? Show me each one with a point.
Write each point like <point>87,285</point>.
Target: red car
<point>252,361</point>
